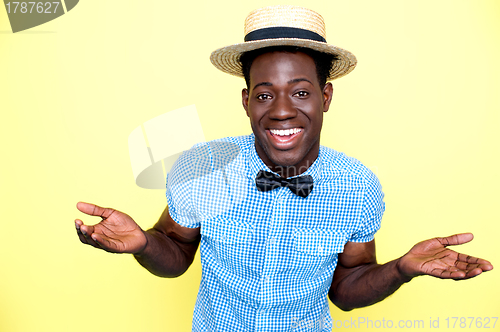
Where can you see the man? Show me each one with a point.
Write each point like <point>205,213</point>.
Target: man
<point>283,222</point>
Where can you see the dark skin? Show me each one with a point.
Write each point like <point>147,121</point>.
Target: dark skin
<point>166,250</point>
<point>284,94</point>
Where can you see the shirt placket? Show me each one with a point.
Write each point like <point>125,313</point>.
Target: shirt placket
<point>267,282</point>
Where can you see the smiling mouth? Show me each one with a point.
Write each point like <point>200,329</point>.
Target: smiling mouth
<point>285,132</point>
<point>285,135</point>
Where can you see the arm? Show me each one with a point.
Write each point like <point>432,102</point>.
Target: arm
<point>170,248</point>
<point>359,281</point>
<point>166,250</point>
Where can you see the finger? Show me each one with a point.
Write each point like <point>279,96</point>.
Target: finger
<point>466,266</point>
<point>464,262</point>
<point>469,274</point>
<point>79,232</point>
<point>91,241</point>
<point>462,274</point>
<point>78,223</point>
<point>94,210</point>
<point>452,273</point>
<point>87,233</point>
<point>474,260</point>
<point>448,273</point>
<point>473,273</point>
<point>456,239</point>
<point>469,267</point>
<point>86,229</point>
<point>105,242</point>
<point>467,262</point>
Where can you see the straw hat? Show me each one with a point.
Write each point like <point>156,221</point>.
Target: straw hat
<point>283,26</point>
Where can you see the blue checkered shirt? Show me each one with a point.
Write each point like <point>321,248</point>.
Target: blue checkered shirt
<point>268,257</point>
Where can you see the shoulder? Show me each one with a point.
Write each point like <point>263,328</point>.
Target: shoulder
<point>198,182</point>
<point>225,145</point>
<point>224,150</point>
<point>205,157</point>
<point>339,165</point>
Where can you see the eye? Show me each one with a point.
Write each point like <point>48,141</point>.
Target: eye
<point>264,96</point>
<point>301,94</point>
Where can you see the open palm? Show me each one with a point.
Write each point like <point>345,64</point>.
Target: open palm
<point>432,257</point>
<point>117,232</point>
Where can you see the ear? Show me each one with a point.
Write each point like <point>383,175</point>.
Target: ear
<point>327,96</point>
<point>244,100</point>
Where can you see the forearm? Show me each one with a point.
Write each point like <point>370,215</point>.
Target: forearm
<point>365,285</point>
<point>163,256</point>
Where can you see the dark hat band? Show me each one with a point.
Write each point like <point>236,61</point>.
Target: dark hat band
<point>283,32</point>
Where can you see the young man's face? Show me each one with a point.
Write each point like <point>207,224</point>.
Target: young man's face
<point>285,105</point>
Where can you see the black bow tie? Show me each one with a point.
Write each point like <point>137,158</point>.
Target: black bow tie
<point>301,186</point>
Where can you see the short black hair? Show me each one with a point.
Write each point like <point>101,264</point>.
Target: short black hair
<point>323,61</point>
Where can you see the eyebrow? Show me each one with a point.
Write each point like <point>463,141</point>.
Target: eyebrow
<point>262,84</point>
<point>295,80</point>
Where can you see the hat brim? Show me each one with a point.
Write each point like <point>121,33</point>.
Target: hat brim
<point>227,58</point>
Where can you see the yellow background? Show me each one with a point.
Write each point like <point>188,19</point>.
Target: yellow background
<point>421,109</point>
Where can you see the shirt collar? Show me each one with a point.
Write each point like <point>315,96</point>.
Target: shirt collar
<point>255,163</point>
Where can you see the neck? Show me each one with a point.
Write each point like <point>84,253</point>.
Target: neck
<point>287,171</point>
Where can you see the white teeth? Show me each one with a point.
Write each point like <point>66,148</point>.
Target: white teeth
<point>285,132</point>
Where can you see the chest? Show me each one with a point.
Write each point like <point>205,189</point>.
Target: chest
<point>252,231</point>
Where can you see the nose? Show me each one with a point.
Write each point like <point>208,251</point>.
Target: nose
<point>282,109</point>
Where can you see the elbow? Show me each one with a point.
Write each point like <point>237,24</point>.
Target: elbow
<point>163,271</point>
<point>169,274</point>
<point>342,305</point>
<point>341,300</point>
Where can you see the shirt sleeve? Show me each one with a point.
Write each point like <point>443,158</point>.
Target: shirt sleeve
<point>179,189</point>
<point>372,211</point>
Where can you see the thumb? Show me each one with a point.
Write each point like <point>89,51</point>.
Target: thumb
<point>456,239</point>
<point>94,210</point>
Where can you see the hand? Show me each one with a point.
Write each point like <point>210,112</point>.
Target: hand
<point>117,232</point>
<point>431,257</point>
